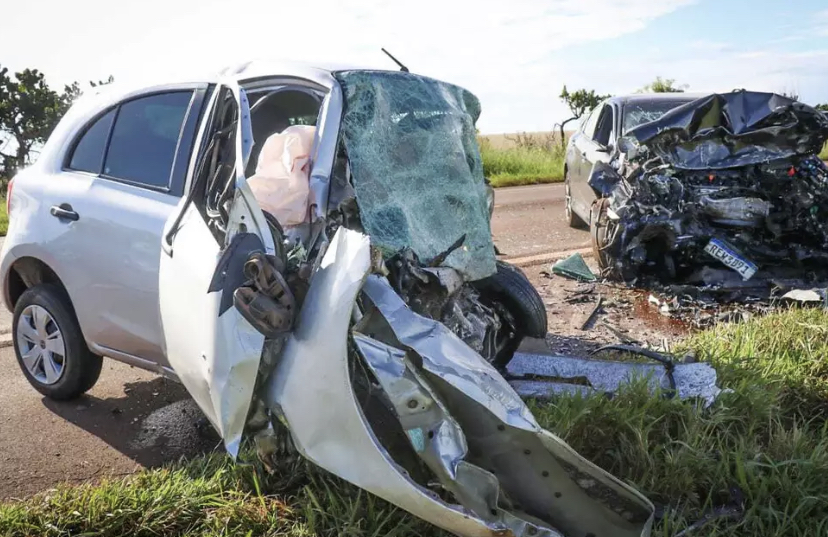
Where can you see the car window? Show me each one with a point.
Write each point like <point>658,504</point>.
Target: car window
<point>144,139</point>
<point>589,128</point>
<point>636,114</point>
<point>603,129</point>
<point>89,150</point>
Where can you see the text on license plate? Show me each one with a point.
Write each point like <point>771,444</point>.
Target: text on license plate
<point>730,258</point>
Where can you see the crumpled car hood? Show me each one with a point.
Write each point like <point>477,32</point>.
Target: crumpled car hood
<point>733,129</point>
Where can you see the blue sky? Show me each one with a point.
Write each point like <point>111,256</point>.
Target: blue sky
<point>515,55</point>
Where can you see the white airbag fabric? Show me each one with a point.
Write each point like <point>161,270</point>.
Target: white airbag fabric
<point>280,184</point>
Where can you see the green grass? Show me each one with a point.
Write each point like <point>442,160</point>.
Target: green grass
<point>4,218</point>
<point>522,165</point>
<point>768,437</point>
<point>824,154</point>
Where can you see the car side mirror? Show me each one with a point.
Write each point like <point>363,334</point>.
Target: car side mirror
<point>604,149</point>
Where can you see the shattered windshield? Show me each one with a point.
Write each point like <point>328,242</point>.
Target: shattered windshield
<point>416,167</point>
<point>636,114</point>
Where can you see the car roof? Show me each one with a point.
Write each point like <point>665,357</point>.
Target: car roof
<point>655,97</point>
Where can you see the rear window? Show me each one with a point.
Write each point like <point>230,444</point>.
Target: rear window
<point>89,151</point>
<point>636,114</point>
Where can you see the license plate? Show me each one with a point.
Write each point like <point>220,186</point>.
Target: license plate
<point>730,258</point>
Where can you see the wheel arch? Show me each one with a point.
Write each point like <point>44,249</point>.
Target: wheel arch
<point>26,272</point>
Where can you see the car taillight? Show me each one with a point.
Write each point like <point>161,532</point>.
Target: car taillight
<point>8,195</point>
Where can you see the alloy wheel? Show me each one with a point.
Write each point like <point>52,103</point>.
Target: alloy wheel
<point>41,344</point>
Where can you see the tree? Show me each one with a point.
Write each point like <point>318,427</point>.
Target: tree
<point>663,85</point>
<point>29,111</point>
<point>822,107</point>
<point>579,102</point>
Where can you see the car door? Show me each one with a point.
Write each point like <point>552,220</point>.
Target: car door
<point>594,148</point>
<point>213,350</point>
<point>581,194</point>
<point>121,180</point>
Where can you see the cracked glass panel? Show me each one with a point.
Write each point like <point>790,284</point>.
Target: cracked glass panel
<point>416,167</point>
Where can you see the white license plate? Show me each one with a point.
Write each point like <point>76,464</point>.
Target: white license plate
<point>728,256</point>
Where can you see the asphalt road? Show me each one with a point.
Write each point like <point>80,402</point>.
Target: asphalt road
<point>134,419</point>
<point>529,220</point>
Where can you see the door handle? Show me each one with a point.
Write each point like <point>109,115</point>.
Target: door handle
<point>64,212</point>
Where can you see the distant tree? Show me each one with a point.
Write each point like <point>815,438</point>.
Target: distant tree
<point>823,107</point>
<point>29,111</point>
<point>579,102</point>
<point>663,85</point>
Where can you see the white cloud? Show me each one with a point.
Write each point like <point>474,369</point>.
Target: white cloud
<point>499,50</point>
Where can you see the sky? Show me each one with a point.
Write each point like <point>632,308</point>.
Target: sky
<point>515,55</point>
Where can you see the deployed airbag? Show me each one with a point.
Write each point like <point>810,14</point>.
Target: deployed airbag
<point>280,184</point>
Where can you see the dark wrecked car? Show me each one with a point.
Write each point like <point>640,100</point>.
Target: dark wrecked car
<point>328,286</point>
<point>725,191</point>
<point>596,139</point>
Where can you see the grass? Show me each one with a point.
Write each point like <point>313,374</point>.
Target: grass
<point>767,438</point>
<point>528,159</point>
<point>4,218</point>
<point>824,154</point>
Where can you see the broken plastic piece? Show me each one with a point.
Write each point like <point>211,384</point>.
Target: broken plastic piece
<point>806,295</point>
<point>574,267</point>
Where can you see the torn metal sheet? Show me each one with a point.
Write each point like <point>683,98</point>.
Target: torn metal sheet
<point>585,376</point>
<point>313,378</point>
<point>535,470</point>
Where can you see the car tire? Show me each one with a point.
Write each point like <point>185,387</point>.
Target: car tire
<point>572,219</point>
<point>44,322</point>
<point>605,239</point>
<point>510,287</point>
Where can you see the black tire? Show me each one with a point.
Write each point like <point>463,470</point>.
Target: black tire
<point>605,239</point>
<point>572,219</point>
<point>81,368</point>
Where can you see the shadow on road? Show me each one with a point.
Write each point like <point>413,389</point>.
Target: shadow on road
<point>155,422</point>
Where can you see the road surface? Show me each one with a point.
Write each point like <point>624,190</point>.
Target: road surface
<point>529,220</point>
<point>134,419</point>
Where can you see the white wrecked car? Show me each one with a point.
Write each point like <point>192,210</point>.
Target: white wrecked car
<point>363,313</point>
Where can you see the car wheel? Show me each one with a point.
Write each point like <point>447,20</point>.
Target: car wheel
<point>571,218</point>
<point>605,234</point>
<point>49,345</point>
<point>510,287</point>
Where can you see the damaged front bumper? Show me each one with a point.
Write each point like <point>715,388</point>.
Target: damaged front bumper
<point>398,405</point>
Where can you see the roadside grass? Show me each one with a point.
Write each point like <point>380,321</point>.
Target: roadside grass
<point>4,218</point>
<point>529,160</point>
<point>824,154</point>
<point>768,438</point>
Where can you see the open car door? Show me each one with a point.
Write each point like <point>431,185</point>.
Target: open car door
<point>212,348</point>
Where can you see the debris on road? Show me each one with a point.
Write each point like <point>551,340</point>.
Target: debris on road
<point>585,325</point>
<point>574,267</point>
<point>544,376</point>
<point>724,193</point>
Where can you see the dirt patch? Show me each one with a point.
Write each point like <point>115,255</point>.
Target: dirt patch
<point>624,316</point>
